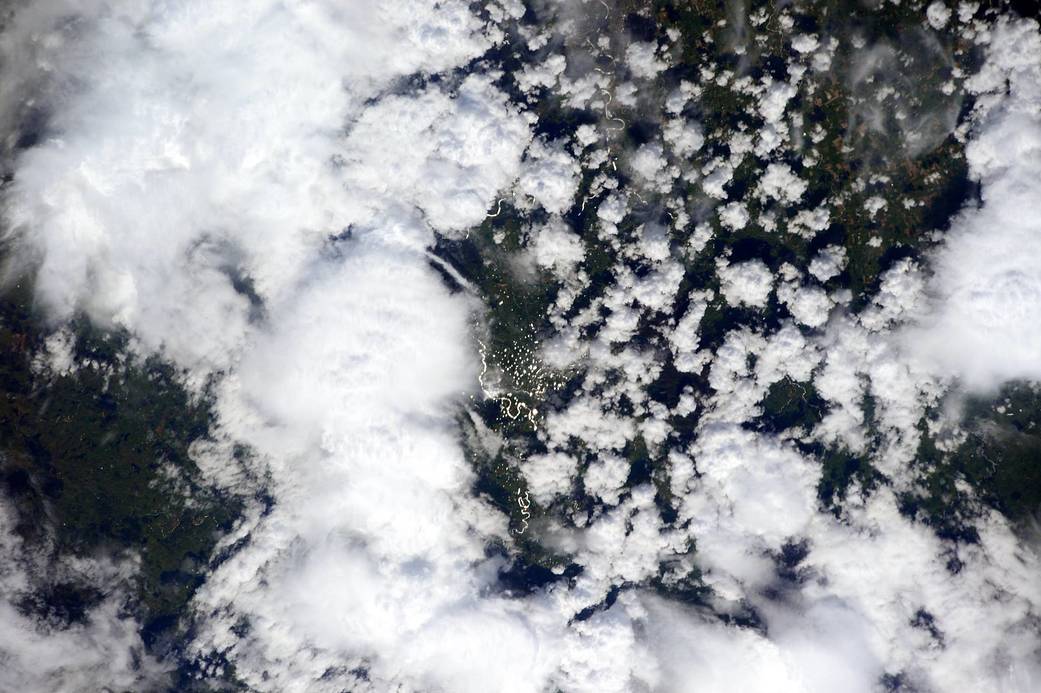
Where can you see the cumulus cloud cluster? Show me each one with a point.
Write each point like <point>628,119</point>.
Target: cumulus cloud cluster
<point>249,190</point>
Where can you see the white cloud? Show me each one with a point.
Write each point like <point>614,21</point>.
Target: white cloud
<point>783,483</point>
<point>780,183</point>
<point>684,340</point>
<point>873,205</point>
<point>899,296</point>
<point>556,245</point>
<point>550,176</point>
<point>866,579</point>
<point>805,43</point>
<point>207,140</point>
<point>938,14</point>
<point>829,262</point>
<point>717,175</point>
<point>773,102</point>
<point>985,321</point>
<point>583,419</point>
<point>745,283</point>
<point>733,215</point>
<point>606,476</point>
<point>643,61</point>
<point>701,654</point>
<point>545,74</point>
<point>807,222</point>
<point>809,305</point>
<point>683,136</point>
<point>175,159</point>
<point>884,570</point>
<point>549,476</point>
<point>648,162</point>
<point>448,155</point>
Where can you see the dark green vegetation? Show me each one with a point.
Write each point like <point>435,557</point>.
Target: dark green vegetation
<point>999,459</point>
<point>1002,456</point>
<point>96,463</point>
<point>514,321</point>
<point>515,318</point>
<point>499,481</point>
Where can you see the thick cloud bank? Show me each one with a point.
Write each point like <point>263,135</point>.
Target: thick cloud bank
<point>988,274</point>
<point>227,182</point>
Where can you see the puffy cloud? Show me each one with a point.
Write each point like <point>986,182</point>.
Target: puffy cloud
<point>875,581</point>
<point>809,305</point>
<point>549,476</point>
<point>173,163</point>
<point>683,341</point>
<point>605,477</point>
<point>887,572</point>
<point>605,653</point>
<point>746,283</point>
<point>773,102</point>
<point>545,74</point>
<point>699,653</point>
<point>367,554</point>
<point>807,222</point>
<point>899,296</point>
<point>717,175</point>
<point>643,61</point>
<point>648,162</point>
<point>683,136</point>
<point>557,246</point>
<point>583,419</point>
<point>829,262</point>
<point>733,216</point>
<point>737,466</point>
<point>448,155</point>
<point>805,43</point>
<point>780,183</point>
<point>938,14</point>
<point>873,205</point>
<point>550,176</point>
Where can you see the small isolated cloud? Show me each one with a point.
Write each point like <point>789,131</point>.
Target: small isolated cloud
<point>643,60</point>
<point>746,283</point>
<point>780,183</point>
<point>556,246</point>
<point>550,177</point>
